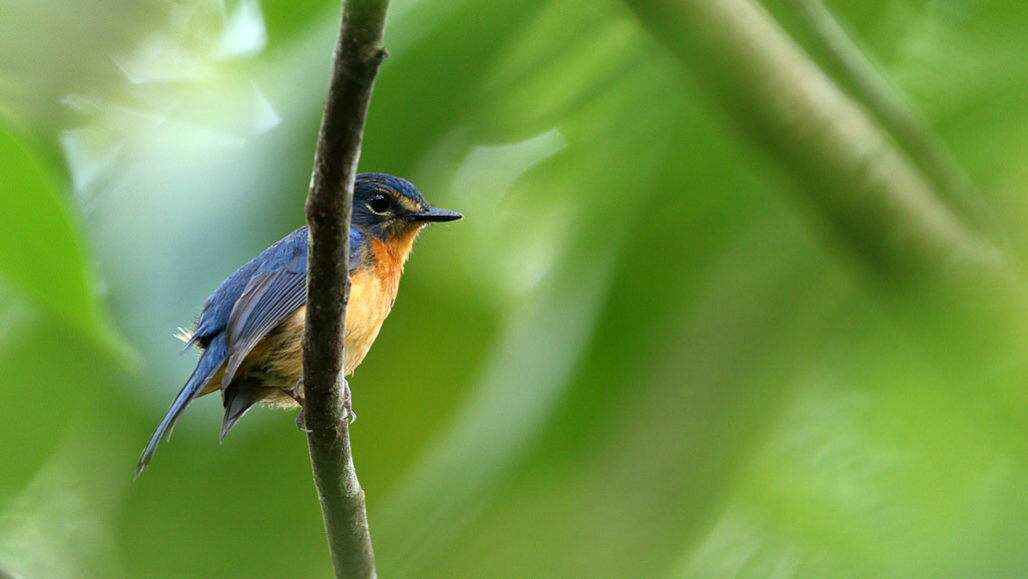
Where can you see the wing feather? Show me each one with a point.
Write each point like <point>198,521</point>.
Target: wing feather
<point>268,300</point>
<point>273,292</point>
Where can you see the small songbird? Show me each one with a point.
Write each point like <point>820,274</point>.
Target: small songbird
<point>251,327</point>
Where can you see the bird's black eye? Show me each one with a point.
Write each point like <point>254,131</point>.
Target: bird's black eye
<point>380,203</point>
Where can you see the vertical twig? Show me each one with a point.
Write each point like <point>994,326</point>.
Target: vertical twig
<point>357,56</point>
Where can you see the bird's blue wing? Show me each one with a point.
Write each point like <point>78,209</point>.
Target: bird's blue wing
<point>218,307</point>
<point>274,291</point>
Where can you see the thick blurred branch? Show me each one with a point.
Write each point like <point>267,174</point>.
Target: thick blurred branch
<point>902,120</point>
<point>884,209</point>
<point>358,54</point>
<point>961,296</point>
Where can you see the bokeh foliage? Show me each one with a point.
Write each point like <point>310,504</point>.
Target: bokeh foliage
<point>638,356</point>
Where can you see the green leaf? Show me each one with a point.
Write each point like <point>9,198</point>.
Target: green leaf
<point>42,254</point>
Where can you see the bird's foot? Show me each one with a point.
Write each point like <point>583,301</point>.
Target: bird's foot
<point>348,413</point>
<point>300,423</point>
<point>347,404</point>
<point>298,397</point>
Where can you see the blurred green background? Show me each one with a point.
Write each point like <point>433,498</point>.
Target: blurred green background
<point>638,356</point>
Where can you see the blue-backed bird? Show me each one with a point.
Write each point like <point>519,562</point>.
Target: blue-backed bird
<point>251,327</point>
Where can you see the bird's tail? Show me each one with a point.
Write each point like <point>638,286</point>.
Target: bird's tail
<point>211,360</point>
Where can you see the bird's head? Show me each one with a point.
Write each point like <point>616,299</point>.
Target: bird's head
<point>392,210</point>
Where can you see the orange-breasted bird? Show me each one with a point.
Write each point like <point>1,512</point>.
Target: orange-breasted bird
<point>251,327</point>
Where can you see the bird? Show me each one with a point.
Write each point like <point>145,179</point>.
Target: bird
<point>250,329</point>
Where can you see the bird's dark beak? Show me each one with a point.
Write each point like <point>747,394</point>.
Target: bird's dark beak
<point>434,214</point>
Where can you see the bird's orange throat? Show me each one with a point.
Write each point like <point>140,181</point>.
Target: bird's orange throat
<point>391,255</point>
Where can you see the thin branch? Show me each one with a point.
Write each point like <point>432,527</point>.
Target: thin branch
<point>356,60</point>
<point>864,187</point>
<point>895,112</point>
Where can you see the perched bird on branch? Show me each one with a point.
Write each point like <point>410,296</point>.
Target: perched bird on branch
<point>251,327</point>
